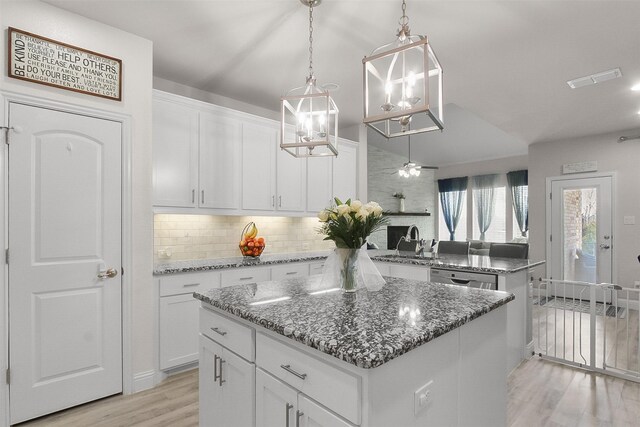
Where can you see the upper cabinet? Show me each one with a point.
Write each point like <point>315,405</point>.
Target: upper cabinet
<point>258,166</point>
<point>175,154</point>
<point>213,160</point>
<point>220,164</point>
<point>320,183</point>
<point>345,171</point>
<point>291,179</point>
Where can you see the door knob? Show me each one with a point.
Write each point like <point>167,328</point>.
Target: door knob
<point>108,274</point>
<point>604,246</point>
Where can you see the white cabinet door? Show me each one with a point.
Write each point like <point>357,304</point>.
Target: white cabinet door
<point>345,171</point>
<point>276,402</point>
<point>258,166</point>
<point>313,415</point>
<point>220,161</point>
<point>238,390</point>
<point>210,390</point>
<point>175,154</point>
<point>227,387</point>
<point>319,183</point>
<point>178,330</point>
<point>292,185</point>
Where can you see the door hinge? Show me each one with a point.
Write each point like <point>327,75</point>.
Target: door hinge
<point>6,130</point>
<point>121,271</point>
<point>8,376</point>
<point>550,238</point>
<point>550,196</point>
<point>6,256</point>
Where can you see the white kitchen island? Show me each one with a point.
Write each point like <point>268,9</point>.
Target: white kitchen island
<point>300,353</point>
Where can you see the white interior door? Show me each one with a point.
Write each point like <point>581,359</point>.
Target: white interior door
<point>64,231</point>
<point>581,238</point>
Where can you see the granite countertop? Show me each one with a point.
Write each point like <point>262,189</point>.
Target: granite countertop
<point>459,262</point>
<point>477,263</point>
<point>366,328</point>
<point>219,263</point>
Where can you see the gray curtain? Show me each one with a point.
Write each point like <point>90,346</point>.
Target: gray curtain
<point>519,186</point>
<point>452,194</point>
<point>483,192</point>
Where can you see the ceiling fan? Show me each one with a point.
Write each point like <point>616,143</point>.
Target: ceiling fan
<point>410,168</point>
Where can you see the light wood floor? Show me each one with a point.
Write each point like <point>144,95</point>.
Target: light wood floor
<point>541,393</point>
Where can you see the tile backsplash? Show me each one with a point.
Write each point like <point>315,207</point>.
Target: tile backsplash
<point>185,237</point>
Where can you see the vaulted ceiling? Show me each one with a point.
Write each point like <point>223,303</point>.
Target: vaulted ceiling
<point>505,63</point>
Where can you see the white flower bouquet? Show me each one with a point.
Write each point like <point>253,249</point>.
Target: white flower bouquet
<point>349,224</point>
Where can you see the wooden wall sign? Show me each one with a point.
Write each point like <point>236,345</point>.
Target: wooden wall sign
<point>41,60</point>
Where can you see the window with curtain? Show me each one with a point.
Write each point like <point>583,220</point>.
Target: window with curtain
<point>488,215</point>
<point>519,186</point>
<point>461,229</point>
<point>497,231</point>
<point>453,192</point>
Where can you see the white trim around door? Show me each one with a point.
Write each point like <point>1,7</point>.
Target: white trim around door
<point>127,263</point>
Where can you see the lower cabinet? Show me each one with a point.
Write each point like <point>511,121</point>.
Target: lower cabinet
<point>178,330</point>
<point>411,272</point>
<point>278,404</point>
<point>179,316</point>
<point>227,382</point>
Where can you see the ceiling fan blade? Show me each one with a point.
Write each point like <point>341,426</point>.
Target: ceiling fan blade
<point>428,167</point>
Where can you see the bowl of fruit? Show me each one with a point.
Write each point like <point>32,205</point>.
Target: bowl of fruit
<point>250,244</point>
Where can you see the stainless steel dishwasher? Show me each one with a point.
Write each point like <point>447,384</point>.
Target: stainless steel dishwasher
<point>465,278</point>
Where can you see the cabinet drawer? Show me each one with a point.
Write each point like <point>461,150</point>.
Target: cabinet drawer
<point>229,333</point>
<point>337,389</point>
<point>288,271</point>
<point>186,283</point>
<point>316,268</point>
<point>238,276</point>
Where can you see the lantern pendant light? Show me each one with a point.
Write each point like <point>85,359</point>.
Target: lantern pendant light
<point>313,111</point>
<point>403,85</point>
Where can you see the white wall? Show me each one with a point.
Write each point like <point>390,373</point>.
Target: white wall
<point>546,160</point>
<point>136,54</point>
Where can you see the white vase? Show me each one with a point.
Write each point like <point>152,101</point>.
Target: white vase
<point>401,205</point>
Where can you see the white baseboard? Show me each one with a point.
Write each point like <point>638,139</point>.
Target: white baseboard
<point>144,381</point>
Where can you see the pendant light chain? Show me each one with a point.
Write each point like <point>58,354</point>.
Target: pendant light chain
<point>311,39</point>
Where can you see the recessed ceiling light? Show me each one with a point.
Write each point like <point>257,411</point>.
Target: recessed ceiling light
<point>595,78</point>
<point>636,87</point>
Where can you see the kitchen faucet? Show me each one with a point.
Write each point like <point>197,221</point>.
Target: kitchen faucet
<point>420,243</point>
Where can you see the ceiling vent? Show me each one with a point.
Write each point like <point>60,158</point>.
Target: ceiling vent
<point>595,78</point>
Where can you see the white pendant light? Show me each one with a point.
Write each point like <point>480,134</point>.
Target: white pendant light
<point>403,85</point>
<point>313,111</point>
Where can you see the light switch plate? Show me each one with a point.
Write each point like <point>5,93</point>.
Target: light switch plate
<point>629,220</point>
<point>422,397</point>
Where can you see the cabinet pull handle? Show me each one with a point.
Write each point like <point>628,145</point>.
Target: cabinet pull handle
<point>193,196</point>
<point>246,278</point>
<point>273,200</point>
<point>298,415</point>
<point>291,371</point>
<point>279,201</point>
<point>203,197</point>
<point>218,331</point>
<point>288,273</point>
<point>288,408</point>
<point>215,367</point>
<point>190,285</point>
<point>220,380</point>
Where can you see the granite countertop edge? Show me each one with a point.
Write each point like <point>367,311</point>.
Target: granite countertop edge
<point>439,263</point>
<point>361,362</point>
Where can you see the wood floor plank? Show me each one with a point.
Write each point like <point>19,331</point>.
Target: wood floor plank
<point>541,393</point>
